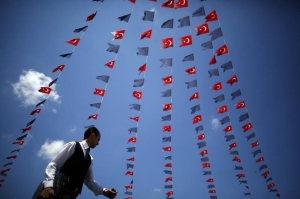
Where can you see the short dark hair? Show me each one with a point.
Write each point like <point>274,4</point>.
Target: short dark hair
<point>90,131</point>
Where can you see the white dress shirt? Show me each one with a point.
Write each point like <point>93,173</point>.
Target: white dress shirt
<point>57,163</point>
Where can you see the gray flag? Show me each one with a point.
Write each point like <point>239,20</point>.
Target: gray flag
<point>191,84</point>
<point>207,45</point>
<point>124,17</point>
<point>264,166</point>
<point>166,118</point>
<point>227,66</point>
<point>17,150</point>
<point>67,55</point>
<point>252,135</point>
<point>113,48</point>
<point>22,137</point>
<point>247,194</point>
<point>216,34</point>
<point>130,149</point>
<point>236,94</point>
<point>128,192</point>
<point>166,93</point>
<point>166,139</point>
<point>269,179</point>
<point>143,51</point>
<point>130,165</point>
<point>256,152</point>
<point>207,172</point>
<point>206,159</point>
<point>133,129</point>
<point>225,120</point>
<point>103,78</point>
<point>273,190</point>
<point>168,186</point>
<point>168,157</point>
<point>148,16</point>
<point>219,98</point>
<point>195,108</point>
<point>211,186</point>
<point>138,82</point>
<point>243,181</point>
<point>31,122</point>
<point>135,107</point>
<point>166,62</point>
<point>201,144</point>
<point>185,21</point>
<point>199,128</point>
<point>238,167</point>
<point>229,137</point>
<point>188,58</point>
<point>97,105</point>
<point>53,82</point>
<point>213,197</point>
<point>213,72</point>
<point>199,12</point>
<point>167,24</point>
<point>234,153</point>
<point>243,117</point>
<point>8,164</point>
<point>3,174</point>
<point>89,126</point>
<point>168,172</point>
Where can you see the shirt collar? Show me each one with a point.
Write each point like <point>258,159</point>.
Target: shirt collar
<point>85,144</point>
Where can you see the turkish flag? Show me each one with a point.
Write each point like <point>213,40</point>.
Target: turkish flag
<point>181,4</point>
<point>254,144</point>
<point>212,191</point>
<point>74,42</point>
<point>19,143</point>
<point>205,165</point>
<point>133,139</point>
<point>236,159</point>
<point>210,180</point>
<point>142,68</point>
<point>201,137</point>
<point>265,174</point>
<point>137,94</point>
<point>110,64</point>
<point>129,173</point>
<point>246,127</point>
<point>260,159</point>
<point>11,157</point>
<point>91,17</point>
<point>61,67</point>
<point>232,80</point>
<point>135,118</point>
<point>271,185</point>
<point>130,159</point>
<point>167,149</point>
<point>194,96</point>
<point>167,80</point>
<point>118,34</point>
<point>167,42</point>
<point>128,187</point>
<point>197,119</point>
<point>35,111</point>
<point>168,4</point>
<point>45,90</point>
<point>2,180</point>
<point>191,71</point>
<point>211,16</point>
<point>213,60</point>
<point>217,86</point>
<point>169,193</point>
<point>222,109</point>
<point>166,128</point>
<point>100,92</point>
<point>168,179</point>
<point>132,1</point>
<point>95,116</point>
<point>26,129</point>
<point>233,145</point>
<point>167,107</point>
<point>186,40</point>
<point>147,34</point>
<point>168,165</point>
<point>204,152</point>
<point>240,105</point>
<point>6,170</point>
<point>227,129</point>
<point>203,29</point>
<point>240,175</point>
<point>222,50</point>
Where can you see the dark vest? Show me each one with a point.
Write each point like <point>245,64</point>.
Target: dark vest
<point>76,168</point>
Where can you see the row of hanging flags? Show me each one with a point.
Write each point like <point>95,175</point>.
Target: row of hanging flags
<point>203,29</point>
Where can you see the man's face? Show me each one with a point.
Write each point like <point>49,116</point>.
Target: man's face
<point>94,140</point>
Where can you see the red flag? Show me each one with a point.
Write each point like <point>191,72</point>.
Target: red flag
<point>210,180</point>
<point>232,80</point>
<point>181,4</point>
<point>147,34</point>
<point>6,170</point>
<point>133,139</point>
<point>270,185</point>
<point>186,40</point>
<point>128,187</point>
<point>204,152</point>
<point>19,143</point>
<point>212,191</point>
<point>167,149</point>
<point>211,16</point>
<point>201,137</point>
<point>61,67</point>
<point>95,116</point>
<point>137,94</point>
<point>217,86</point>
<point>265,174</point>
<point>261,159</point>
<point>227,129</point>
<point>168,165</point>
<point>194,96</point>
<point>26,129</point>
<point>74,42</point>
<point>169,193</point>
<point>132,1</point>
<point>168,179</point>
<point>166,128</point>
<point>142,68</point>
<point>203,29</point>
<point>100,92</point>
<point>222,50</point>
<point>119,34</point>
<point>35,111</point>
<point>135,118</point>
<point>236,159</point>
<point>205,165</point>
<point>191,71</point>
<point>222,109</point>
<point>2,180</point>
<point>246,127</point>
<point>129,198</point>
<point>254,144</point>
<point>168,4</point>
<point>240,175</point>
<point>167,80</point>
<point>167,107</point>
<point>45,90</point>
<point>91,17</point>
<point>110,64</point>
<point>11,157</point>
<point>167,42</point>
<point>213,60</point>
<point>240,105</point>
<point>233,145</point>
<point>129,173</point>
<point>197,119</point>
<point>130,159</point>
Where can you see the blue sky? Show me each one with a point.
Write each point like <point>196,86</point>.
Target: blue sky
<point>263,44</point>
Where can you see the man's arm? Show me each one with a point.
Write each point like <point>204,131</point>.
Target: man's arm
<point>91,183</point>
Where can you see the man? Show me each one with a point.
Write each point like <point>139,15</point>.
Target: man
<point>75,163</point>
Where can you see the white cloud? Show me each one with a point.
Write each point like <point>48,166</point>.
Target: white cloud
<point>50,149</point>
<point>28,85</point>
<point>157,190</point>
<point>74,129</point>
<point>215,123</point>
<point>54,111</point>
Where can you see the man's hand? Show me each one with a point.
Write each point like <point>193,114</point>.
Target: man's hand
<point>47,193</point>
<point>110,193</point>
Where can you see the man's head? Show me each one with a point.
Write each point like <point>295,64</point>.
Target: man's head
<point>92,137</point>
